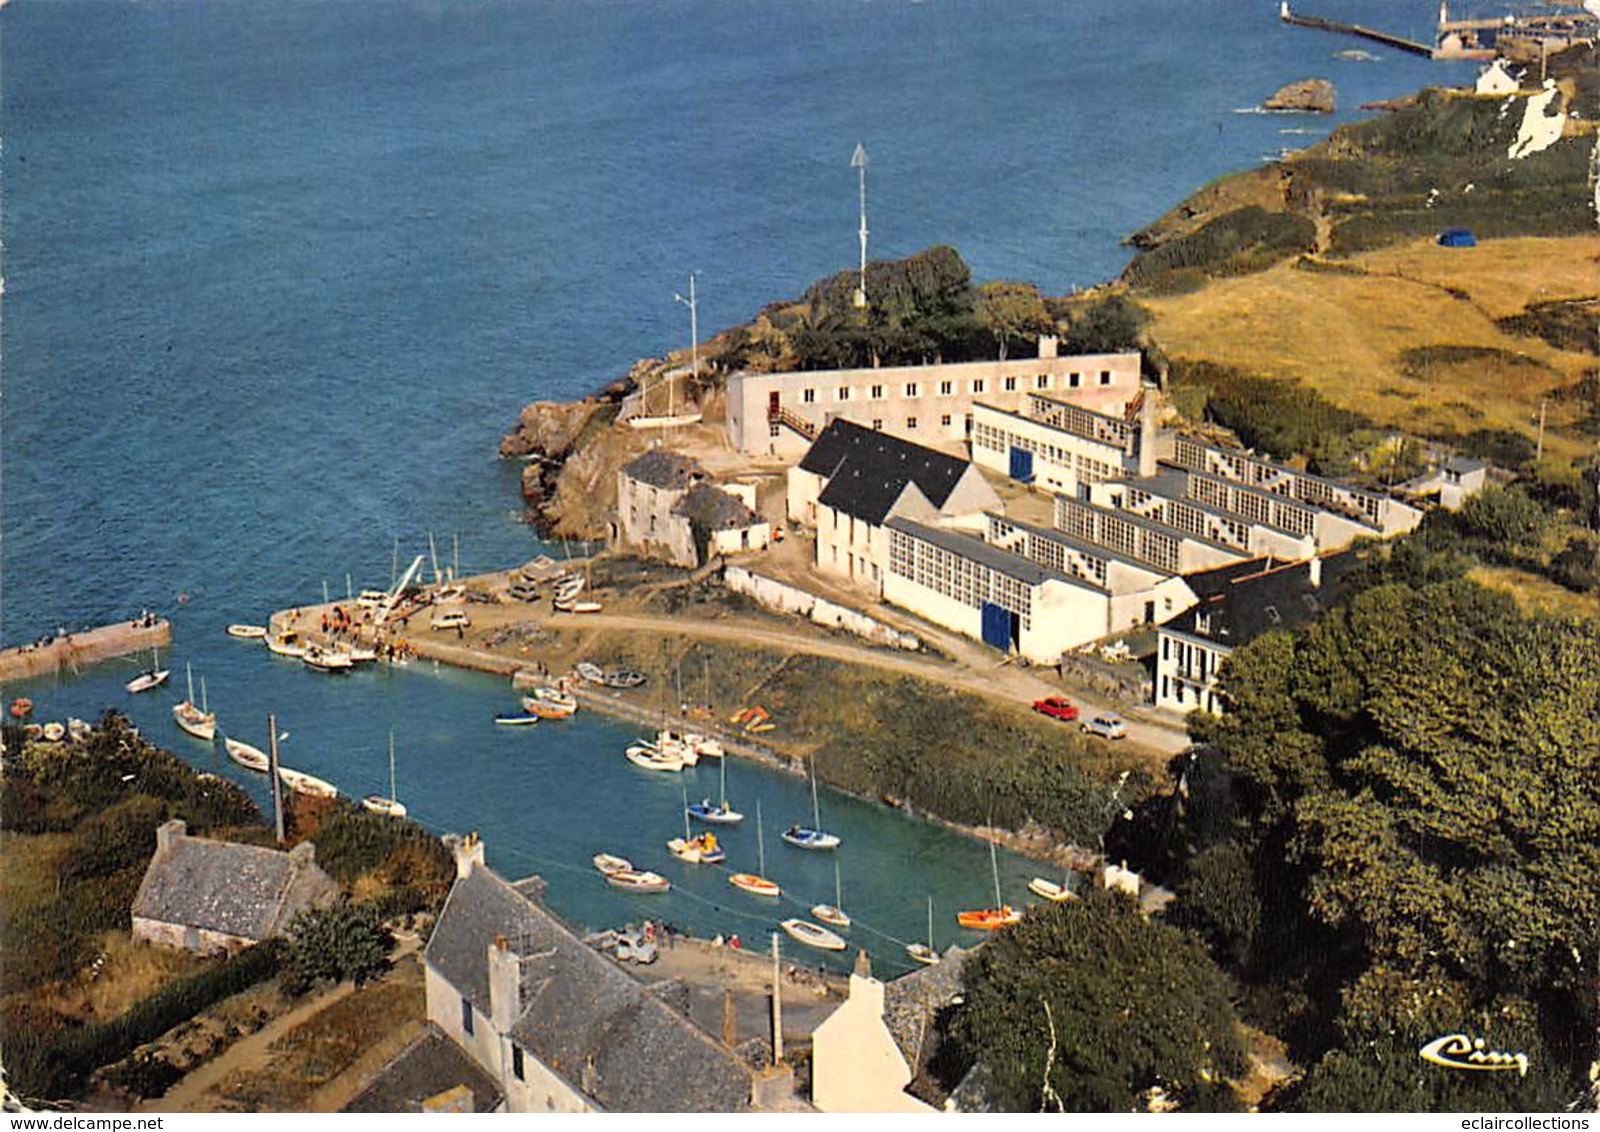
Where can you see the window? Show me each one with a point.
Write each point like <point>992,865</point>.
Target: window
<point>844,393</point>
<point>977,385</point>
<point>466,1017</point>
<point>1042,381</point>
<point>877,392</point>
<point>877,424</point>
<point>1105,377</point>
<point>809,396</point>
<point>516,1062</point>
<point>1011,385</point>
<point>946,388</point>
<point>1075,379</point>
<point>944,420</point>
<point>911,424</point>
<point>911,389</point>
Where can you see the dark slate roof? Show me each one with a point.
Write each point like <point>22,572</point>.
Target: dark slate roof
<point>1237,609</point>
<point>714,509</point>
<point>867,470</point>
<point>241,890</point>
<point>583,1016</point>
<point>1464,465</point>
<point>911,1008</point>
<point>1024,570</point>
<point>663,469</point>
<point>427,1067</point>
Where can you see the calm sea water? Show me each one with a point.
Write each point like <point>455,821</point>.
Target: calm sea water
<point>278,276</point>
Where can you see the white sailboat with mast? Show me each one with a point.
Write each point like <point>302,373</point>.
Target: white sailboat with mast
<point>197,721</point>
<point>390,806</point>
<point>923,952</point>
<point>812,836</point>
<point>834,913</point>
<point>757,882</point>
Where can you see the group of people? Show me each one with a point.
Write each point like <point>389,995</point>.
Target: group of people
<point>339,622</point>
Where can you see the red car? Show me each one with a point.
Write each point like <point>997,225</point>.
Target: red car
<point>1056,708</point>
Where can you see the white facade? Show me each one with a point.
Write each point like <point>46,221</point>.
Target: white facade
<point>857,551</point>
<point>1059,458</point>
<point>645,520</point>
<point>1164,547</point>
<point>855,1064</point>
<point>778,414</point>
<point>1186,672</point>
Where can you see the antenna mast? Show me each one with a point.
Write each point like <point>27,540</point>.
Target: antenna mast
<point>858,162</point>
<point>694,339</point>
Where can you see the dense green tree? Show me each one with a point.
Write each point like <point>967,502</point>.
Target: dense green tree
<point>337,942</point>
<point>1010,310</point>
<point>1089,1005</point>
<point>1112,325</point>
<point>1501,516</point>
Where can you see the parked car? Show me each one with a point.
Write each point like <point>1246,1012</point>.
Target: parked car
<point>1056,707</point>
<point>1106,726</point>
<point>451,619</point>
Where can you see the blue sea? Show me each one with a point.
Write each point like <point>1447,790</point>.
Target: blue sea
<point>279,276</point>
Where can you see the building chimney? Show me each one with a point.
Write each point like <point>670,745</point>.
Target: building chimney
<point>1147,434</point>
<point>1314,572</point>
<point>469,852</point>
<point>505,985</point>
<point>170,833</point>
<point>1049,346</point>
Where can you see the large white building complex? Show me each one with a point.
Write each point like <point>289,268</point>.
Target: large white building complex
<point>780,414</point>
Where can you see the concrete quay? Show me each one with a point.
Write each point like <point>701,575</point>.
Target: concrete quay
<point>71,651</point>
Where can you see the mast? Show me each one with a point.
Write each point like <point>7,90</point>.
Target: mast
<point>816,813</point>
<point>394,794</point>
<point>858,162</point>
<point>930,922</point>
<point>838,889</point>
<point>685,788</point>
<point>188,673</point>
<point>205,707</point>
<point>994,867</point>
<point>272,771</point>
<point>761,848</point>
<point>694,338</point>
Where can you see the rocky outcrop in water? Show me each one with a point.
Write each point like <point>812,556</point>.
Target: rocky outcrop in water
<point>1312,95</point>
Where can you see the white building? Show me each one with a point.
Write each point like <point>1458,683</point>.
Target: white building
<point>853,480</point>
<point>856,1064</point>
<point>1056,445</point>
<point>779,414</point>
<point>667,509</point>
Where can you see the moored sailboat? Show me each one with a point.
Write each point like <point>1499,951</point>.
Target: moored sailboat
<point>390,806</point>
<point>923,952</point>
<point>197,721</point>
<point>1002,915</point>
<point>756,882</point>
<point>812,836</point>
<point>833,914</point>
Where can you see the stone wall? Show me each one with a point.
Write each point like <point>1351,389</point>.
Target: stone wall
<point>788,599</point>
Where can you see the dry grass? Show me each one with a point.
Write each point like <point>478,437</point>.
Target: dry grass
<point>1345,333</point>
<point>1534,594</point>
<point>129,971</point>
<point>28,868</point>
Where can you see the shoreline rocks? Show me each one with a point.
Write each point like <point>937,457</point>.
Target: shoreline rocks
<point>1314,96</point>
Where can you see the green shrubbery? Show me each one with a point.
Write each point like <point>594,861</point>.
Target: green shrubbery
<point>1238,243</point>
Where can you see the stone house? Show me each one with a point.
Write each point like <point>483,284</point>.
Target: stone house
<point>668,509</point>
<point>219,897</point>
<point>559,1027</point>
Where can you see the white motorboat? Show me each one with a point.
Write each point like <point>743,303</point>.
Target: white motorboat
<point>704,746</point>
<point>327,660</point>
<point>251,758</point>
<point>813,935</point>
<point>649,758</point>
<point>1050,890</point>
<point>247,632</point>
<point>631,880</point>
<point>289,644</point>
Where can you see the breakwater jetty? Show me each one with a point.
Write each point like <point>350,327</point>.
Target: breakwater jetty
<point>1358,30</point>
<point>67,652</point>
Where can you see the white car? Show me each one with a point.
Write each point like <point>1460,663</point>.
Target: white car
<point>450,619</point>
<point>371,599</point>
<point>1106,726</point>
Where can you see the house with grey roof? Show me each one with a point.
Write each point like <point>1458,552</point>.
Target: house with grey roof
<point>559,1027</point>
<point>853,480</point>
<point>667,508</point>
<point>218,897</point>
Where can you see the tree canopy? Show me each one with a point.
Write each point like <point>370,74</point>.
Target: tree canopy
<point>1088,1006</point>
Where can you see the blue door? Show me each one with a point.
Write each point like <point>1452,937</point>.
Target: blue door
<point>1022,465</point>
<point>999,627</point>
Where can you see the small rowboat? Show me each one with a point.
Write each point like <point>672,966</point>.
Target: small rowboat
<point>702,850</point>
<point>79,730</point>
<point>149,678</point>
<point>651,759</point>
<point>251,758</point>
<point>247,632</point>
<point>813,935</point>
<point>387,807</point>
<point>54,732</point>
<point>989,919</point>
<point>575,606</point>
<point>545,709</point>
<point>309,784</point>
<point>22,707</point>
<point>760,886</point>
<point>631,880</point>
<point>803,837</point>
<point>922,953</point>
<point>1050,890</point>
<point>517,718</point>
<point>590,672</point>
<point>608,864</point>
<point>556,697</point>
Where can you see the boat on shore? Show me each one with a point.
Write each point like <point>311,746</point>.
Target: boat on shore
<point>308,784</point>
<point>53,732</point>
<point>590,672</point>
<point>813,935</point>
<point>251,758</point>
<point>632,880</point>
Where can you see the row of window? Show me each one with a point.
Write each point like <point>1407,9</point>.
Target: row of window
<point>1081,422</point>
<point>950,575</point>
<point>1194,661</point>
<point>976,385</point>
<point>1312,490</point>
<point>1128,539</point>
<point>1174,690</point>
<point>998,439</point>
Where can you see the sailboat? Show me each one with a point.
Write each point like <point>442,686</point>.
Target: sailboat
<point>923,952</point>
<point>390,806</point>
<point>197,721</point>
<point>812,836</point>
<point>1002,915</point>
<point>757,882</point>
<point>701,850</point>
<point>152,677</point>
<point>721,813</point>
<point>833,913</point>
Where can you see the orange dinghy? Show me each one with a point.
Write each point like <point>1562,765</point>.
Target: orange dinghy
<point>989,919</point>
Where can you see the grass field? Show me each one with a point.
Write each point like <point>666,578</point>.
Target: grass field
<point>1353,333</point>
<point>1535,594</point>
